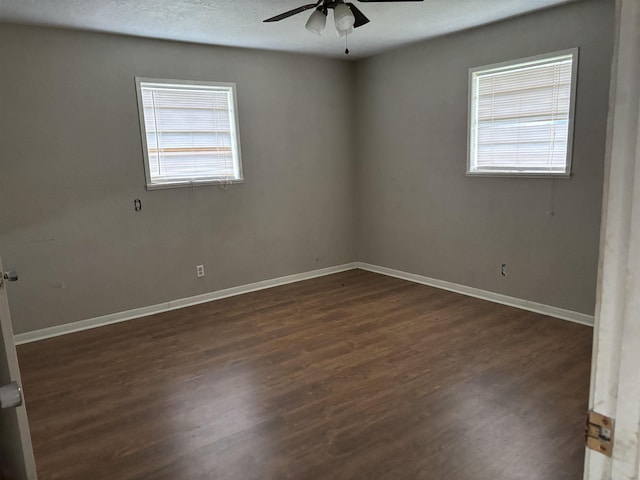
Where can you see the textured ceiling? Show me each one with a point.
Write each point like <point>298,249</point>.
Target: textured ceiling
<point>239,22</point>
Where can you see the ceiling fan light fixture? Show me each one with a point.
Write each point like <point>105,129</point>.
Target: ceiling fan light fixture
<point>343,33</point>
<point>343,17</point>
<point>316,22</point>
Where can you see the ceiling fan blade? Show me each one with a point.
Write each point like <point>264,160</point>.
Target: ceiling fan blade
<point>290,13</point>
<point>380,1</point>
<point>361,19</point>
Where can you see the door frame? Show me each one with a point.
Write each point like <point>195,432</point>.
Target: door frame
<point>22,452</point>
<point>615,377</point>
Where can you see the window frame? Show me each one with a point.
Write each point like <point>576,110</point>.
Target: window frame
<point>511,65</point>
<point>235,134</point>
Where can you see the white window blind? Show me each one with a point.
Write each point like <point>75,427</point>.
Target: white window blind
<point>521,116</point>
<point>189,132</point>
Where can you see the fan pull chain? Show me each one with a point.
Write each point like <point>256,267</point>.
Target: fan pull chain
<point>346,45</point>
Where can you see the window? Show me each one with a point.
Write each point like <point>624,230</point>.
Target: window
<point>521,116</point>
<point>189,132</point>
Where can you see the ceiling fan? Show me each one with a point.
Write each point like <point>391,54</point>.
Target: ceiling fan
<point>346,15</point>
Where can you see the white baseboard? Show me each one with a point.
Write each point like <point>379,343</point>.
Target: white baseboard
<point>556,312</point>
<point>117,317</point>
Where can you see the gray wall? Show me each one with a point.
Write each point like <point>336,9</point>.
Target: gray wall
<point>418,212</point>
<point>71,166</point>
<point>315,196</point>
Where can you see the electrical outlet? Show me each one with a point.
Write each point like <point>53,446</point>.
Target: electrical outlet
<point>200,270</point>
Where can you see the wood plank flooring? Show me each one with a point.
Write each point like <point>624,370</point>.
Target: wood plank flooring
<point>348,376</point>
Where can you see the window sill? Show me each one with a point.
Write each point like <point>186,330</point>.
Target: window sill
<point>162,186</point>
<point>518,174</point>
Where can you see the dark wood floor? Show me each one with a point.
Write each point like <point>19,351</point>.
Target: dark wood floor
<point>353,375</point>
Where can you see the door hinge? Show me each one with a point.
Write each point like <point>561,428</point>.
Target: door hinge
<point>9,276</point>
<point>599,433</point>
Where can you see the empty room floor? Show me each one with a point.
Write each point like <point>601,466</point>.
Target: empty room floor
<point>349,376</point>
